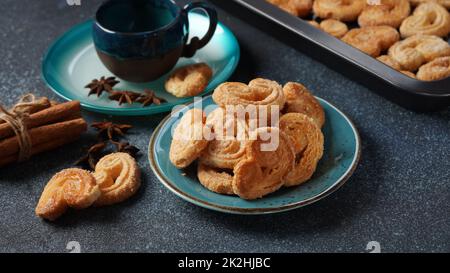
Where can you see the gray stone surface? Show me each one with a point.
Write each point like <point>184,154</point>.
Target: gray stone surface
<point>398,196</point>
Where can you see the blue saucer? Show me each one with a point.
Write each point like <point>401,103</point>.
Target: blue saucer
<point>341,155</point>
<point>71,63</point>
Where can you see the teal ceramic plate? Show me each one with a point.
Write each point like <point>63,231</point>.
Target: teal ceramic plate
<point>341,155</point>
<point>71,63</point>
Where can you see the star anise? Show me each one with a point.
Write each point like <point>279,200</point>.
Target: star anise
<point>103,84</point>
<point>92,155</point>
<point>108,129</point>
<point>149,97</point>
<point>124,96</point>
<point>125,147</point>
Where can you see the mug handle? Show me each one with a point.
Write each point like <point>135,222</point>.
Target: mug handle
<point>197,43</point>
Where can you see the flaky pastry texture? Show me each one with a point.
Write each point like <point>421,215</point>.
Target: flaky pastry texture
<point>428,18</point>
<point>263,172</point>
<point>300,100</point>
<point>188,140</point>
<point>308,142</point>
<point>188,81</point>
<point>416,50</point>
<point>118,177</point>
<point>74,188</point>
<point>435,70</point>
<point>372,40</point>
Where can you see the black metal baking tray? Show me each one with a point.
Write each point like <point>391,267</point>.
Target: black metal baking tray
<point>382,79</point>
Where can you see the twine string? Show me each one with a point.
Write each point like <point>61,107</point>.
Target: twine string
<point>17,118</point>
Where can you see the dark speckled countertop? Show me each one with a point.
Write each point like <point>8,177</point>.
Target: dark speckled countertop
<point>399,195</point>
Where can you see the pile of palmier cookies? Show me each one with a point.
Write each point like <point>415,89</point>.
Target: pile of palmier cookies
<point>407,35</point>
<point>230,151</point>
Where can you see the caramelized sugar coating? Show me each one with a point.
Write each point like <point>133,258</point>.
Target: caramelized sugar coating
<point>188,81</point>
<point>263,172</point>
<point>259,92</point>
<point>445,3</point>
<point>387,60</point>
<point>299,8</point>
<point>416,50</point>
<point>435,70</point>
<point>216,180</point>
<point>73,188</point>
<point>308,142</point>
<point>342,10</point>
<point>300,100</point>
<point>118,177</point>
<point>387,13</point>
<point>428,18</point>
<point>227,147</point>
<point>372,40</point>
<point>188,140</point>
<point>334,27</point>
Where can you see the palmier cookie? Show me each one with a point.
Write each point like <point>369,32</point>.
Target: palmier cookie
<point>227,147</point>
<point>308,141</point>
<point>428,18</point>
<point>118,177</point>
<point>435,70</point>
<point>409,74</point>
<point>189,80</point>
<point>214,179</point>
<point>73,188</point>
<point>298,8</point>
<point>416,50</point>
<point>389,61</point>
<point>188,140</point>
<point>314,23</point>
<point>445,3</point>
<point>334,27</point>
<point>300,100</point>
<point>372,40</point>
<point>263,171</point>
<point>259,92</point>
<point>385,13</point>
<point>342,10</point>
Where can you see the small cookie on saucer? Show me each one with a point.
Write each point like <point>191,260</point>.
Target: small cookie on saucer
<point>190,80</point>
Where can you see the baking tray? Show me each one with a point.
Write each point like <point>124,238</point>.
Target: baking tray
<point>378,77</point>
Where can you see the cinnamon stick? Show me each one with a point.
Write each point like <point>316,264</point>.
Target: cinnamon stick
<point>41,104</point>
<point>52,114</point>
<point>43,134</point>
<point>46,146</point>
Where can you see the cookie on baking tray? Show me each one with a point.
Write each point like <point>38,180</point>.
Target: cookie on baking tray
<point>428,18</point>
<point>385,13</point>
<point>372,40</point>
<point>417,50</point>
<point>298,8</point>
<point>437,69</point>
<point>340,10</point>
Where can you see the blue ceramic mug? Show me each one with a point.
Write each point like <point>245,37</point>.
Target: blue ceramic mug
<point>141,40</point>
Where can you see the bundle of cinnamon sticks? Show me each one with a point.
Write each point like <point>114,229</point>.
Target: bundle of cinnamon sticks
<point>49,126</point>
